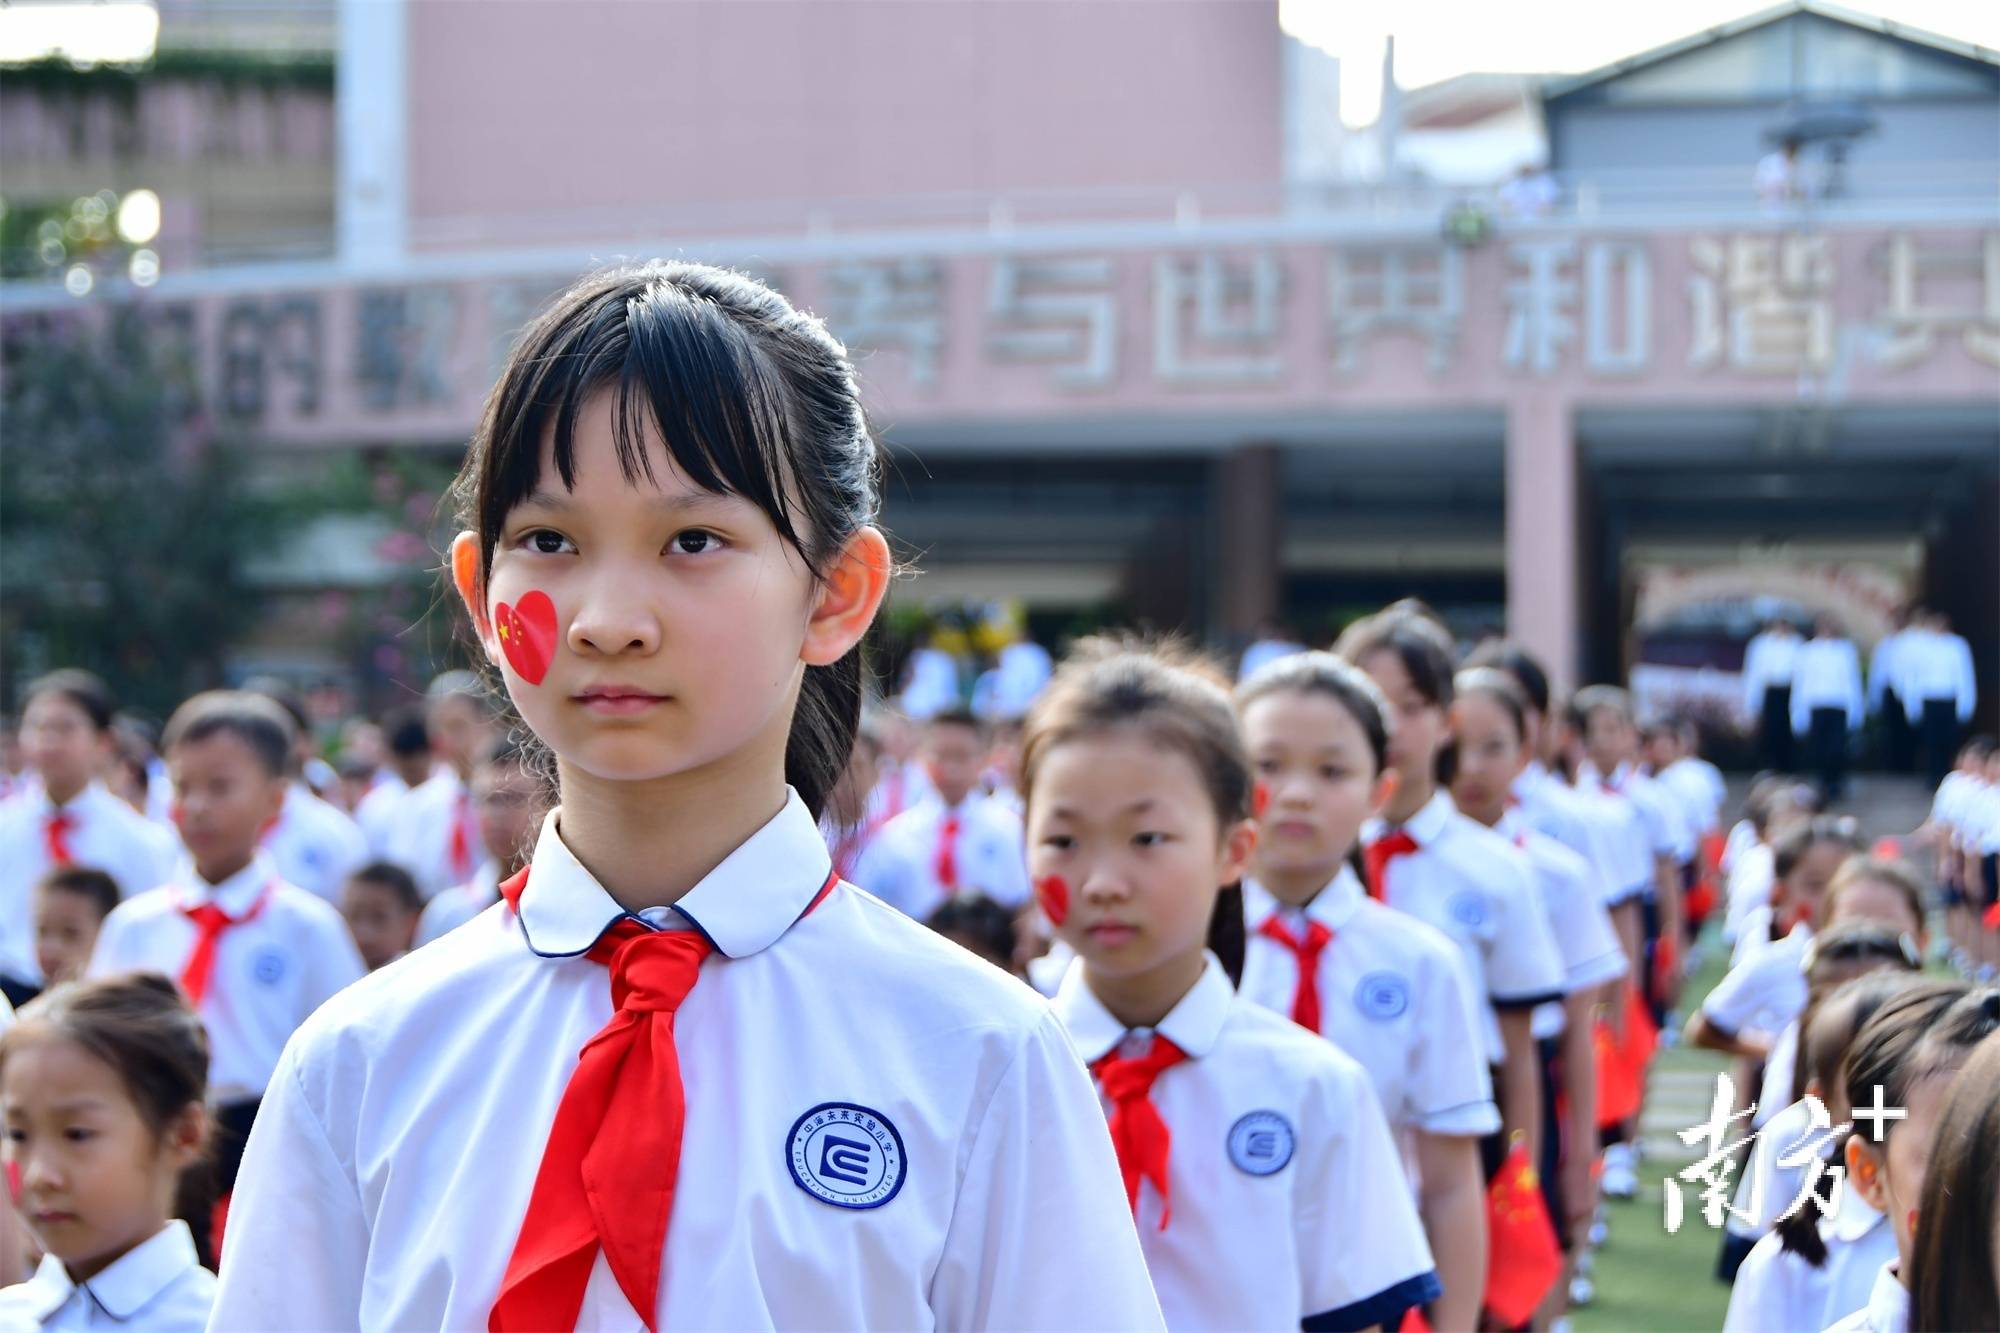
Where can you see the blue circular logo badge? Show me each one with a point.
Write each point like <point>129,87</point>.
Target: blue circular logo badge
<point>1469,910</point>
<point>269,967</point>
<point>1382,996</point>
<point>846,1155</point>
<point>1261,1143</point>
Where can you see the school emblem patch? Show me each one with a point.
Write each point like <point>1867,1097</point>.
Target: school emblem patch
<point>1261,1143</point>
<point>846,1155</point>
<point>269,967</point>
<point>1382,996</point>
<point>1469,910</point>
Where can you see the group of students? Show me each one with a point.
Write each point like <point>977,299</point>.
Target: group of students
<point>1349,969</point>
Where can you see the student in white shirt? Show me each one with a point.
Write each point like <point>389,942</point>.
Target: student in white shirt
<point>510,798</point>
<point>382,907</point>
<point>254,954</point>
<point>1812,1268</point>
<point>1382,986</point>
<point>1260,1171</point>
<point>71,904</point>
<point>1425,858</point>
<point>957,839</point>
<point>1768,663</point>
<point>313,842</point>
<point>1489,731</point>
<point>1939,686</point>
<point>435,832</point>
<point>1908,1055</point>
<point>1955,1263</point>
<point>806,1108</point>
<point>1827,703</point>
<point>1885,699</point>
<point>411,764</point>
<point>101,1087</point>
<point>71,818</point>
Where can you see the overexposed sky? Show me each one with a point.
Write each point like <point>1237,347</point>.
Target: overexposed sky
<point>1436,39</point>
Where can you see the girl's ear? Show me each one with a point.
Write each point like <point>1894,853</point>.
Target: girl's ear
<point>850,593</point>
<point>471,588</point>
<point>1864,1169</point>
<point>186,1138</point>
<point>1384,792</point>
<point>1239,845</point>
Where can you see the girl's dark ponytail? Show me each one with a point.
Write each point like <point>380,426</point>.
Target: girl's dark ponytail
<point>823,729</point>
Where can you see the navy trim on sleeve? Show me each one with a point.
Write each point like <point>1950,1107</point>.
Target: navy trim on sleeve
<point>1526,1001</point>
<point>1384,1307</point>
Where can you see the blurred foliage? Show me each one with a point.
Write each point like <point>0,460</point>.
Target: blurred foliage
<point>41,236</point>
<point>126,516</point>
<point>246,70</point>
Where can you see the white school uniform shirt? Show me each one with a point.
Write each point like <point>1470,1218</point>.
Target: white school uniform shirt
<point>1695,786</point>
<point>1936,666</point>
<point>899,864</point>
<point>901,787</point>
<point>1765,991</point>
<point>105,834</point>
<point>1667,828</point>
<point>271,971</point>
<point>1887,1310</point>
<point>460,903</point>
<point>1742,837</point>
<point>1827,675</point>
<point>1392,996</point>
<point>1749,892</point>
<point>387,1177</point>
<point>376,812</point>
<point>1476,887</point>
<point>1956,796</point>
<point>158,1285</point>
<point>1578,921</point>
<point>1621,846</point>
<point>1777,1291</point>
<point>315,844</point>
<point>1769,660</point>
<point>420,837</point>
<point>1884,667</point>
<point>1286,1206</point>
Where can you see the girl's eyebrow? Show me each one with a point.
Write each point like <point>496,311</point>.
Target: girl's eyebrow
<point>692,502</point>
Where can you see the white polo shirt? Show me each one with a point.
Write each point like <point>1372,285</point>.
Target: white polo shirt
<point>1776,1289</point>
<point>1578,920</point>
<point>1287,1206</point>
<point>386,1180</point>
<point>314,843</point>
<point>1827,675</point>
<point>105,834</point>
<point>1936,666</point>
<point>1392,996</point>
<point>271,971</point>
<point>1697,787</point>
<point>1769,660</point>
<point>1472,884</point>
<point>419,836</point>
<point>1667,827</point>
<point>1765,991</point>
<point>1887,1310</point>
<point>899,864</point>
<point>455,906</point>
<point>158,1285</point>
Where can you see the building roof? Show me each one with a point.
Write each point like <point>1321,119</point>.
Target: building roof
<point>1565,85</point>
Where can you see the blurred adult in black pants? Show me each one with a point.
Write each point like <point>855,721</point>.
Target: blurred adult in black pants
<point>1768,662</point>
<point>1827,703</point>
<point>1939,690</point>
<point>1885,697</point>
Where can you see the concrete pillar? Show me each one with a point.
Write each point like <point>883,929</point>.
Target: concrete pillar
<point>1542,599</point>
<point>372,114</point>
<point>1250,537</point>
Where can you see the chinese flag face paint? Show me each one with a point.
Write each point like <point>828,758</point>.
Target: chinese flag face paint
<point>1052,892</point>
<point>527,633</point>
<point>1260,800</point>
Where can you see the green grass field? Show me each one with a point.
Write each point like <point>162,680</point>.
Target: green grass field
<point>1647,1280</point>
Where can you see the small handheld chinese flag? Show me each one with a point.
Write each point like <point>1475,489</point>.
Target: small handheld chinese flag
<point>1621,1063</point>
<point>1700,902</point>
<point>1524,1259</point>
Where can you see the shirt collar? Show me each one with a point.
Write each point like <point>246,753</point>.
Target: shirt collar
<point>1332,906</point>
<point>1856,1218</point>
<point>1194,1023</point>
<point>234,895</point>
<point>1888,1300</point>
<point>742,906</point>
<point>86,802</point>
<point>129,1284</point>
<point>1427,825</point>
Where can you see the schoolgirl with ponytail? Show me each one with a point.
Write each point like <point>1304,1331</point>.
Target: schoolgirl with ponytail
<point>680,1075</point>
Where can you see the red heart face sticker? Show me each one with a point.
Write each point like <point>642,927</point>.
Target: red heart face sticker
<point>1052,892</point>
<point>527,633</point>
<point>1260,800</point>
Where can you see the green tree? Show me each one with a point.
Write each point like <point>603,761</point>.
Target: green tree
<point>126,517</point>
